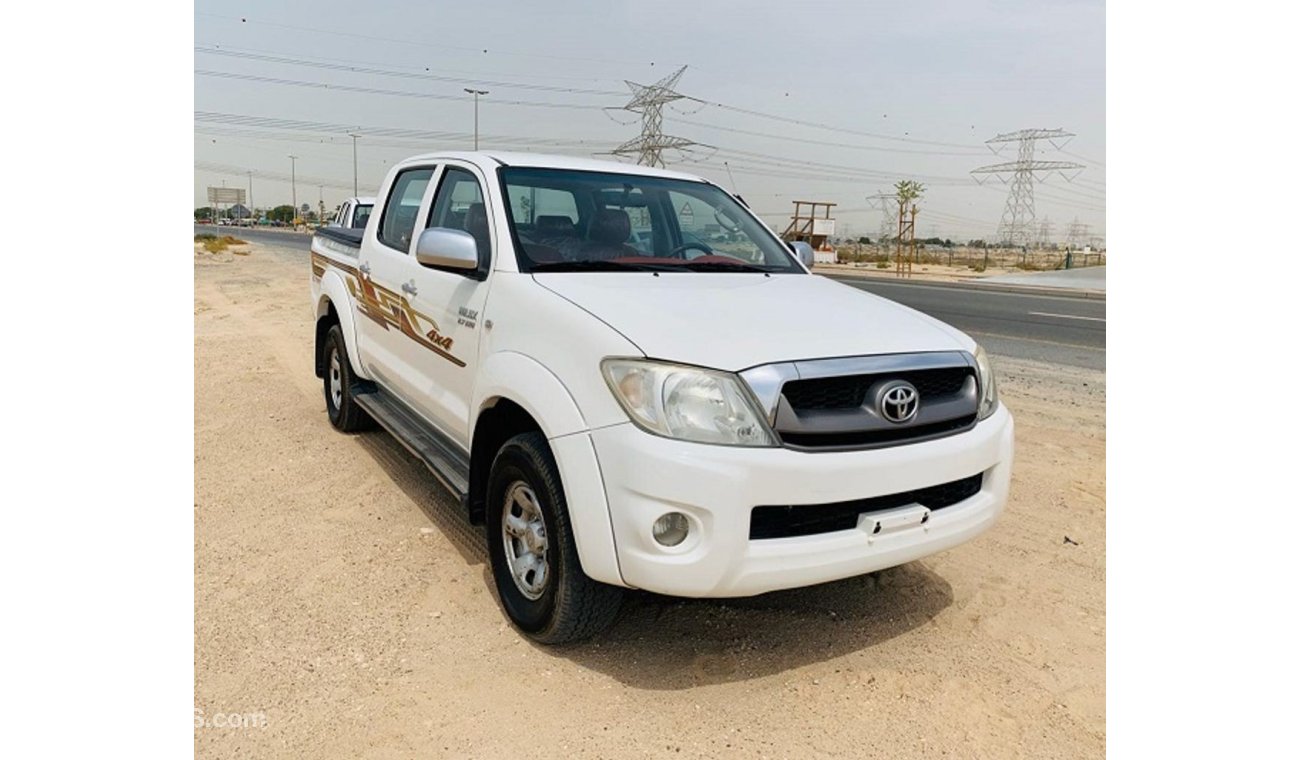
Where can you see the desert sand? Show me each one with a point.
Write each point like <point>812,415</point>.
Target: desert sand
<point>339,593</point>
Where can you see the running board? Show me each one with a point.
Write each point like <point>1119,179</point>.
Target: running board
<point>440,455</point>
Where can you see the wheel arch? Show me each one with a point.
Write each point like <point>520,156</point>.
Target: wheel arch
<point>517,394</point>
<point>333,306</point>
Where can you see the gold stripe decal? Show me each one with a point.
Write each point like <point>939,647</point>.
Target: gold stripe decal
<point>388,309</point>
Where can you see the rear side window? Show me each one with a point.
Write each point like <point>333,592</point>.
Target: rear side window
<point>402,210</point>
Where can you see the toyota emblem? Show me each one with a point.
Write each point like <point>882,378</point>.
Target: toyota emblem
<point>898,402</point>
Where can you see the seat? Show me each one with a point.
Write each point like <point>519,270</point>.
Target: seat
<point>554,227</point>
<point>476,224</point>
<point>607,236</point>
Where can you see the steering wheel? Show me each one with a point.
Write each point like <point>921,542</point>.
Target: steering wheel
<point>680,251</point>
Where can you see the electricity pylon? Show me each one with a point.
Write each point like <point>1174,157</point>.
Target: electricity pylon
<point>649,101</point>
<point>886,203</point>
<point>1017,225</point>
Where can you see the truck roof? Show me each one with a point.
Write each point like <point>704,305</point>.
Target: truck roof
<point>362,200</point>
<point>489,159</point>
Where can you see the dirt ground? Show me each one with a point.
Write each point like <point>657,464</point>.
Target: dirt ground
<point>340,595</point>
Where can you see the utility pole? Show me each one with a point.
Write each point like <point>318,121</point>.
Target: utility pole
<point>1017,225</point>
<point>649,101</point>
<point>354,137</point>
<point>476,93</point>
<point>321,200</point>
<point>251,215</point>
<point>293,183</point>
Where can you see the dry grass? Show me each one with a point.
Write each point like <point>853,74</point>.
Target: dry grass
<point>216,244</point>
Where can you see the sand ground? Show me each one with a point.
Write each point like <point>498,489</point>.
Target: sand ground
<point>339,594</point>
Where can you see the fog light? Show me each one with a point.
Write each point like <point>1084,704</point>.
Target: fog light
<point>671,529</point>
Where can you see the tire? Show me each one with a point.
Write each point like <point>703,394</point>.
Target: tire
<point>344,413</point>
<point>558,603</point>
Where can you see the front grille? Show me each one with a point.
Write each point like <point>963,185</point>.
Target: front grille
<point>850,391</point>
<point>787,521</point>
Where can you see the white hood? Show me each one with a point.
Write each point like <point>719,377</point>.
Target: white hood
<point>735,321</point>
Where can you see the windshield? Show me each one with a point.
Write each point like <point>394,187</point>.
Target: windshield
<point>568,220</point>
<point>361,216</point>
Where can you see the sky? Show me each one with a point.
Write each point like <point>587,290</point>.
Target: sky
<point>823,101</point>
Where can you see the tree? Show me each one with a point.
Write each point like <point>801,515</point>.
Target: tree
<point>908,192</point>
<point>281,213</point>
<point>864,240</point>
<point>204,212</point>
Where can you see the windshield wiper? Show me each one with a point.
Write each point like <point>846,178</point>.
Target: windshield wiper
<point>725,266</point>
<point>596,266</point>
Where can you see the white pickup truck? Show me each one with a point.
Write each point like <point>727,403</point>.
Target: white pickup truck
<point>353,213</point>
<point>633,383</point>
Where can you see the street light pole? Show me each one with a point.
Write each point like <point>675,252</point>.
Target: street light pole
<point>354,162</point>
<point>293,180</point>
<point>476,93</point>
<point>250,196</point>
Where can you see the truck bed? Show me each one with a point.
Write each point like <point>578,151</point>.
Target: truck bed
<point>345,235</point>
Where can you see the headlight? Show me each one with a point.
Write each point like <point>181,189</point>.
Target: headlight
<point>988,384</point>
<point>687,403</point>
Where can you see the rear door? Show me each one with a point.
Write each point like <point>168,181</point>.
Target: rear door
<point>387,322</point>
<point>448,303</point>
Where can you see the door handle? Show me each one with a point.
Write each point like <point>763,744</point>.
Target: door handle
<point>365,268</point>
<point>409,288</point>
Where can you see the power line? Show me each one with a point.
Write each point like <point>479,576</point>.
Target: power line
<point>415,68</point>
<point>829,127</point>
<point>805,141</point>
<point>266,122</point>
<point>241,171</point>
<point>840,169</point>
<point>1084,158</point>
<point>428,77</point>
<point>378,91</point>
<point>440,45</point>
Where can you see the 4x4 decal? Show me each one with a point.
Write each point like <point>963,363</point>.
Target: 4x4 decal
<point>388,309</point>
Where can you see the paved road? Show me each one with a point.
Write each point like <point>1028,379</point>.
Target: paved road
<point>1053,329</point>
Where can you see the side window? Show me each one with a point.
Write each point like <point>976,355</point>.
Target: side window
<point>397,225</point>
<point>458,205</point>
<point>361,216</point>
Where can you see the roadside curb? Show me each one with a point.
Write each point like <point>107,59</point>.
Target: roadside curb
<point>994,287</point>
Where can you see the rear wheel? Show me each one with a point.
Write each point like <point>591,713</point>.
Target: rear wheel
<point>531,548</point>
<point>344,412</point>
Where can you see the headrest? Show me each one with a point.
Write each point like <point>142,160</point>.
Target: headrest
<point>555,226</point>
<point>476,218</point>
<point>611,226</point>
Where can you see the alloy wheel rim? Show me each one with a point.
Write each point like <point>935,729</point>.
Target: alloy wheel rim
<point>523,533</point>
<point>336,379</point>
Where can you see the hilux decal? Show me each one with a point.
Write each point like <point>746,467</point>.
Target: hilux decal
<point>388,309</point>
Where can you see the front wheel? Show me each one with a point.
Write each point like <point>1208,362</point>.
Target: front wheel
<point>531,548</point>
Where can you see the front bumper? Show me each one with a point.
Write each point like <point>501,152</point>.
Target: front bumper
<point>717,486</point>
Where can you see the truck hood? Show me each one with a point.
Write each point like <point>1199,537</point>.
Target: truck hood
<point>735,321</point>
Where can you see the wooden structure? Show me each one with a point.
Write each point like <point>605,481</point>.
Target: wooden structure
<point>813,227</point>
<point>905,253</point>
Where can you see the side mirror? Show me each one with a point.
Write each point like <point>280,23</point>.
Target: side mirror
<point>803,252</point>
<point>443,247</point>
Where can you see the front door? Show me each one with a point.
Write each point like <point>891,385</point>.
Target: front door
<point>448,304</point>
